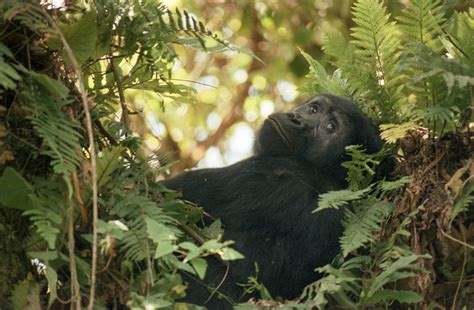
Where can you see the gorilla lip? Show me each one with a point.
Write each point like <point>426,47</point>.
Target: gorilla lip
<point>280,130</point>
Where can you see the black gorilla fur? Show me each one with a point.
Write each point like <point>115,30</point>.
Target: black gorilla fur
<point>265,201</point>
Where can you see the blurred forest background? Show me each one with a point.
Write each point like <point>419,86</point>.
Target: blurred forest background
<point>234,91</point>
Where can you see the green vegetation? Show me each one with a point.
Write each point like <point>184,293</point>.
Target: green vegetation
<point>84,221</point>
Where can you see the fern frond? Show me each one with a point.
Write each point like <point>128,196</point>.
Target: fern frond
<point>361,166</point>
<point>46,222</point>
<point>387,186</point>
<point>60,134</point>
<point>377,39</point>
<point>319,81</point>
<point>342,52</point>
<point>438,78</point>
<point>394,271</point>
<point>461,189</point>
<point>422,22</point>
<point>436,117</point>
<point>461,33</point>
<point>377,43</point>
<point>8,75</point>
<point>136,210</point>
<point>389,295</point>
<point>464,201</point>
<point>47,212</point>
<point>337,199</point>
<point>360,225</point>
<point>391,133</point>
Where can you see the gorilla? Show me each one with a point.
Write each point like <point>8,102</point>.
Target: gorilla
<point>265,202</point>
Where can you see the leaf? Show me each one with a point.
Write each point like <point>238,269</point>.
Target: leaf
<point>387,186</point>
<point>360,225</point>
<point>43,255</point>
<point>106,164</point>
<point>200,266</point>
<point>53,86</point>
<point>318,81</point>
<point>421,22</point>
<point>231,254</point>
<point>391,133</point>
<point>26,295</point>
<point>164,248</point>
<point>8,75</point>
<point>15,191</point>
<point>337,199</point>
<point>391,295</point>
<point>52,278</point>
<point>158,232</point>
<point>80,36</point>
<point>6,51</point>
<point>392,273</point>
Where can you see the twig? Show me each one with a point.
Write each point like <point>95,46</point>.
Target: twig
<point>75,287</point>
<point>219,285</point>
<point>105,133</point>
<point>24,141</point>
<point>80,202</point>
<point>462,270</point>
<point>457,240</point>
<point>192,233</point>
<point>90,134</point>
<point>435,161</point>
<point>118,81</point>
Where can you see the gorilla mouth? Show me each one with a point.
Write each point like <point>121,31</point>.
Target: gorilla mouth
<point>280,131</point>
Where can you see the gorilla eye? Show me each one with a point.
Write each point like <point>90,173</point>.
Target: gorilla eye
<point>313,109</point>
<point>331,126</point>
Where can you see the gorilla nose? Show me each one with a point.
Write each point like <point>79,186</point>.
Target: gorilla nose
<point>295,118</point>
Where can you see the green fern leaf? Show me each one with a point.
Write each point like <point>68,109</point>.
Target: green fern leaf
<point>342,52</point>
<point>422,21</point>
<point>337,199</point>
<point>106,163</point>
<point>376,40</point>
<point>464,201</point>
<point>47,222</point>
<point>391,133</point>
<point>461,33</point>
<point>144,218</point>
<point>385,296</point>
<point>318,81</point>
<point>360,225</point>
<point>8,75</point>
<point>60,134</point>
<point>394,272</point>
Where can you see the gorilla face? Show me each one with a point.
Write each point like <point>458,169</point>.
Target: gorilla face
<point>317,131</point>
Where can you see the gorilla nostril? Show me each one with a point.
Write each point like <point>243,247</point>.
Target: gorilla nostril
<point>295,121</point>
<point>291,115</point>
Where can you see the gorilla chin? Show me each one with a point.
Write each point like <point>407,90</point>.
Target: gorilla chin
<point>265,201</point>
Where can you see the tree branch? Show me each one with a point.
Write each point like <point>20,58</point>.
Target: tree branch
<point>118,81</point>
<point>90,134</point>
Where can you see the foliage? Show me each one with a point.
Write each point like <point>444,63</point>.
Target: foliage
<point>119,46</point>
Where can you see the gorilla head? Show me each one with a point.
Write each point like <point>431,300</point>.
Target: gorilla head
<point>317,132</point>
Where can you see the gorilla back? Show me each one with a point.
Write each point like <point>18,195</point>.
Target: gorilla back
<point>265,201</point>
